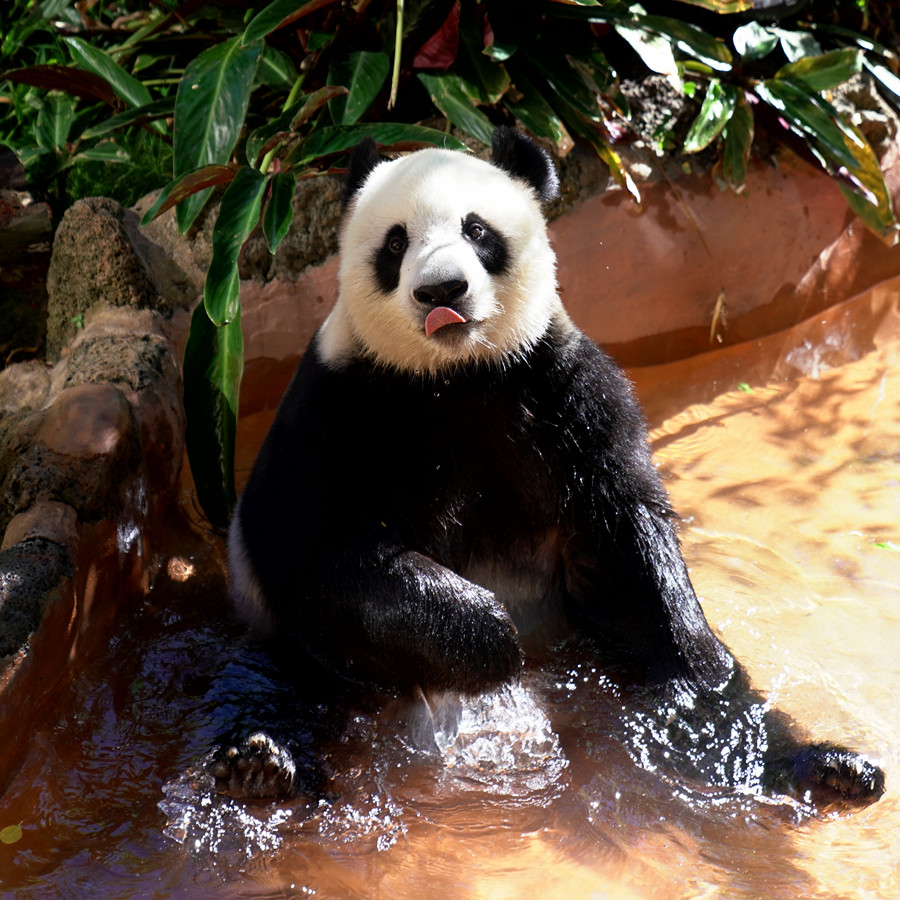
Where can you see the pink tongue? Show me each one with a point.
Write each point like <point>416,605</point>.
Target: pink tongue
<point>439,317</point>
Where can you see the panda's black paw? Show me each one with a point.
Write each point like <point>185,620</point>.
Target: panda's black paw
<point>830,777</point>
<point>255,767</point>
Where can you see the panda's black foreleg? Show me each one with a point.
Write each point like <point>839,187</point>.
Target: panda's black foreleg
<point>396,618</point>
<point>703,714</point>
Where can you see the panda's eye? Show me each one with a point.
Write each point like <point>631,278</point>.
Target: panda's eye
<point>396,241</point>
<point>474,231</point>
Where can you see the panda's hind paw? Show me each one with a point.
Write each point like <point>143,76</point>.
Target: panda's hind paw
<point>831,778</point>
<point>255,767</point>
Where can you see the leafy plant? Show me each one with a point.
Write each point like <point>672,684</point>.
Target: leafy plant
<point>245,99</point>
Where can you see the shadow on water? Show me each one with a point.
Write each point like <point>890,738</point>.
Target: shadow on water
<point>560,788</point>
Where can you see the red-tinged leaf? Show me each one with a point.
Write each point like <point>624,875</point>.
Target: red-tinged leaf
<point>439,51</point>
<point>198,180</point>
<point>278,15</point>
<point>64,78</point>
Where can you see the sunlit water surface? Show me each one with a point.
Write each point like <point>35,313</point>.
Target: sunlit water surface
<point>783,459</point>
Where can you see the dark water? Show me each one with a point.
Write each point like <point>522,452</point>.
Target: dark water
<point>783,458</point>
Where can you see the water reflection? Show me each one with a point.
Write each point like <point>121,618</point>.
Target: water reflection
<point>789,487</point>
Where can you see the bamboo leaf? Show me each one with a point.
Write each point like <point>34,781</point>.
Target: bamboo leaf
<point>210,108</point>
<point>820,73</point>
<point>715,113</point>
<point>364,74</point>
<point>238,216</point>
<point>449,94</point>
<point>213,366</point>
<point>279,210</point>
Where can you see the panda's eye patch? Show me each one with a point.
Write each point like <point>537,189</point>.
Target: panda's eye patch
<point>389,258</point>
<point>489,244</point>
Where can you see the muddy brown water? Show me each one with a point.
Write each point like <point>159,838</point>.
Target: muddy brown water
<point>783,458</point>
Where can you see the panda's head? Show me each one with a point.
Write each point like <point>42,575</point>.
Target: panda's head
<point>445,259</point>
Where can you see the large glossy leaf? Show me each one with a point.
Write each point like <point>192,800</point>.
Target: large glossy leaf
<point>449,94</point>
<point>535,112</point>
<point>180,188</point>
<point>126,86</point>
<point>238,216</point>
<point>210,107</point>
<point>279,14</point>
<point>654,50</point>
<point>363,74</point>
<point>213,366</point>
<point>485,79</point>
<point>722,6</point>
<point>269,136</point>
<point>716,111</point>
<point>63,78</point>
<point>865,189</point>
<point>886,78</point>
<point>690,39</point>
<point>107,152</point>
<point>54,121</point>
<point>565,84</point>
<point>821,73</point>
<point>754,41</point>
<point>155,109</point>
<point>738,138</point>
<point>324,142</point>
<point>279,210</point>
<point>797,44</point>
<point>810,116</point>
<point>276,70</point>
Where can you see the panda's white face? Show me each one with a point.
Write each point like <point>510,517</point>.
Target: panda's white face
<point>445,262</point>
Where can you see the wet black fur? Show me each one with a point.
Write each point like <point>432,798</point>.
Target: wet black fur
<point>377,494</point>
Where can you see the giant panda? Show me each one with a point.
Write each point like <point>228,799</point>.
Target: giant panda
<point>457,475</point>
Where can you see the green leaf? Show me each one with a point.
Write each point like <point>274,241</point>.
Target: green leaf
<point>210,108</point>
<point>336,139</point>
<point>213,366</point>
<point>106,152</point>
<point>821,73</point>
<point>450,96</point>
<point>180,188</point>
<point>279,211</point>
<point>54,121</point>
<point>654,50</point>
<point>723,6</point>
<point>485,78</point>
<point>738,138</point>
<point>810,116</point>
<point>754,41</point>
<point>278,14</point>
<point>238,216</point>
<point>888,80</point>
<point>716,111</point>
<point>535,113</point>
<point>276,70</point>
<point>363,74</point>
<point>797,44</point>
<point>690,39</point>
<point>126,86</point>
<point>866,193</point>
<point>155,109</point>
<point>566,84</point>
<point>268,136</point>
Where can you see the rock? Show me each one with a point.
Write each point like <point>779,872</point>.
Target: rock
<point>100,256</point>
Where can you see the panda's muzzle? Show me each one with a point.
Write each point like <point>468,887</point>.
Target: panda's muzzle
<point>445,299</point>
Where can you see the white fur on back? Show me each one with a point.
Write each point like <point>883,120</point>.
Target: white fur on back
<point>430,193</point>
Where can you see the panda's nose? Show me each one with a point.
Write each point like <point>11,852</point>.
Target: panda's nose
<point>443,294</point>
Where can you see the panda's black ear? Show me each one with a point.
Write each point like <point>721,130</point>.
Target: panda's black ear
<point>519,155</point>
<point>363,159</point>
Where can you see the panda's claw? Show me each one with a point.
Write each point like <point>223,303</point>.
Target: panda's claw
<point>257,767</point>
